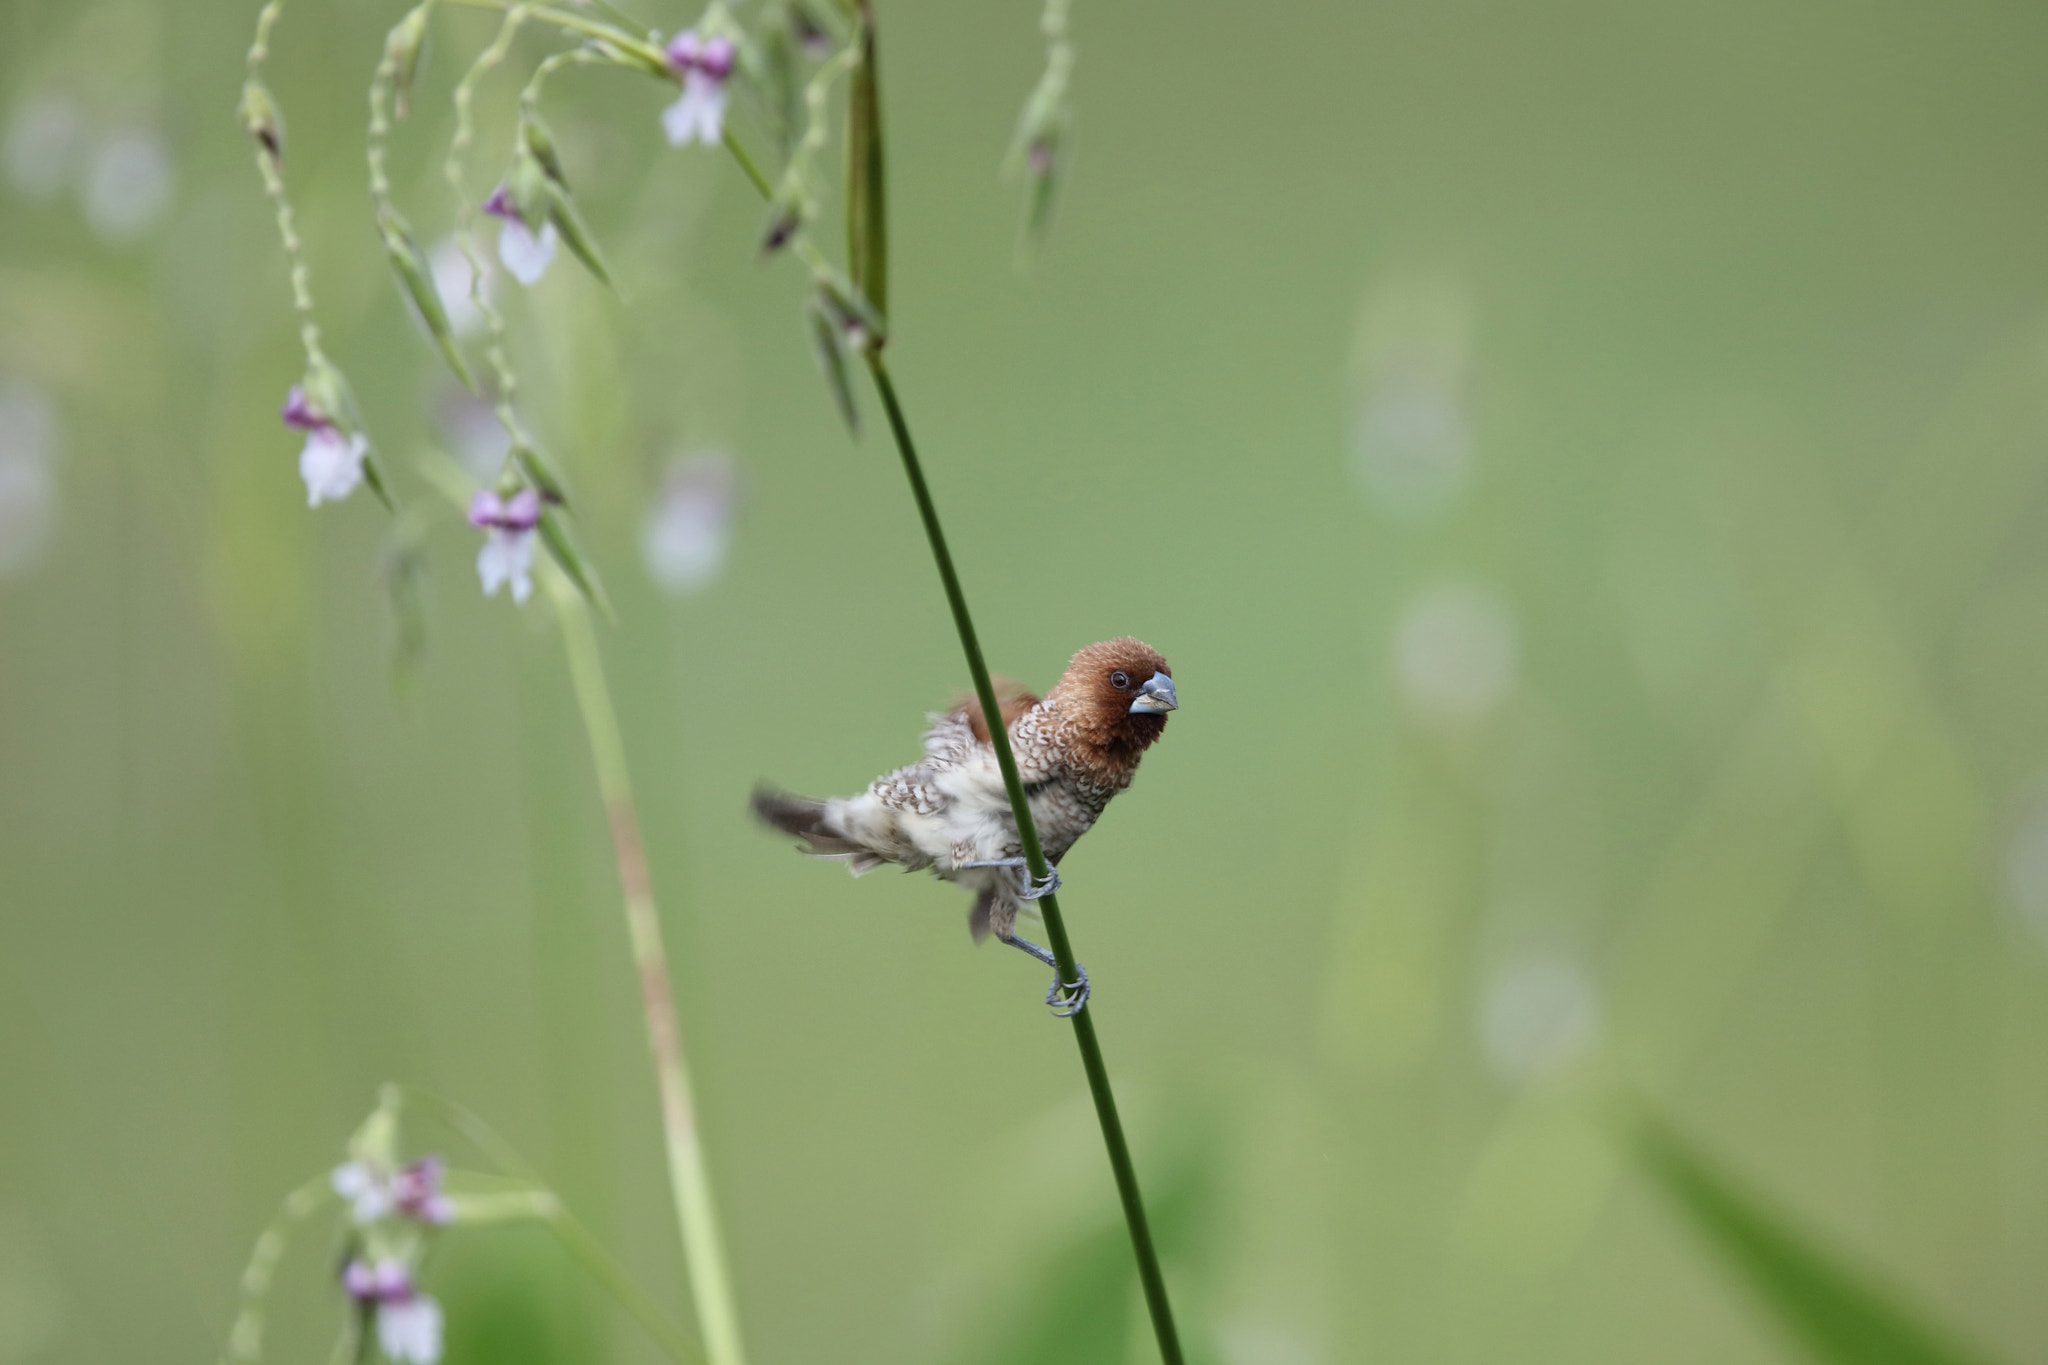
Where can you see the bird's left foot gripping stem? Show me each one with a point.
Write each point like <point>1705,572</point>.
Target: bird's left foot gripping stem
<point>1065,997</point>
<point>1033,889</point>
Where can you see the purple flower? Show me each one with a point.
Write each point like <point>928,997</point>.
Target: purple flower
<point>332,461</point>
<point>507,555</point>
<point>375,1192</point>
<point>704,64</point>
<point>408,1322</point>
<point>417,1191</point>
<point>526,253</point>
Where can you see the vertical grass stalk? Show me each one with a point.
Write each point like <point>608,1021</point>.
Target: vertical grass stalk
<point>1127,1191</point>
<point>703,1248</point>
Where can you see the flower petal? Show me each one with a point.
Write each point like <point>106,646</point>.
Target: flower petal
<point>699,116</point>
<point>409,1331</point>
<point>527,256</point>
<point>331,464</point>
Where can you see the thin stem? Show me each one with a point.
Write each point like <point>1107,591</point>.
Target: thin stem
<point>245,1338</point>
<point>710,1281</point>
<point>646,53</point>
<point>273,185</point>
<point>1084,1020</point>
<point>464,99</point>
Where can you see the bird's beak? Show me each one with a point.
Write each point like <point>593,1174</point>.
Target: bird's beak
<point>1156,697</point>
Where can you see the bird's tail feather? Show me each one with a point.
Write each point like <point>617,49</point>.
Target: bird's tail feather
<point>804,818</point>
<point>978,917</point>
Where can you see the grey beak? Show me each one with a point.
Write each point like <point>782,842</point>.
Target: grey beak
<point>1156,697</point>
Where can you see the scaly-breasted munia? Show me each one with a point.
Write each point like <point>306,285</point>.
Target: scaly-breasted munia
<point>1075,749</point>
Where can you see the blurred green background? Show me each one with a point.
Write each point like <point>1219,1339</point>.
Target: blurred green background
<point>1585,463</point>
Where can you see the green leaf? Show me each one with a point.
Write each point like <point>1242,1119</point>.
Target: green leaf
<point>1837,1312</point>
<point>540,140</point>
<point>555,534</point>
<point>410,265</point>
<point>867,227</point>
<point>540,471</point>
<point>830,353</point>
<point>576,234</point>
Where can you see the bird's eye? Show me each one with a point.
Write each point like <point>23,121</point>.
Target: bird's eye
<point>1120,680</point>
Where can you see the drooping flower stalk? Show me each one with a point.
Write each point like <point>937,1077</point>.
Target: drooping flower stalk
<point>689,1181</point>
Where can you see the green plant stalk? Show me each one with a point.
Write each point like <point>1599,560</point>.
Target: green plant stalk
<point>704,1250</point>
<point>1149,1275</point>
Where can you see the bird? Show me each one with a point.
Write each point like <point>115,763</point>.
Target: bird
<point>1075,748</point>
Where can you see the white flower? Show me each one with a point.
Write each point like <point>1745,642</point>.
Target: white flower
<point>375,1192</point>
<point>331,464</point>
<point>507,553</point>
<point>453,277</point>
<point>699,116</point>
<point>689,527</point>
<point>408,1322</point>
<point>128,186</point>
<point>368,1191</point>
<point>527,256</point>
<point>704,65</point>
<point>409,1330</point>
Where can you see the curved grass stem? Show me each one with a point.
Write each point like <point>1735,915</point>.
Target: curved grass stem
<point>1156,1301</point>
<point>704,1249</point>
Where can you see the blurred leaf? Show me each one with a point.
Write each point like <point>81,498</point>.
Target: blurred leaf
<point>410,265</point>
<point>1838,1313</point>
<point>577,235</point>
<point>561,543</point>
<point>830,353</point>
<point>514,1298</point>
<point>1083,1303</point>
<point>867,235</point>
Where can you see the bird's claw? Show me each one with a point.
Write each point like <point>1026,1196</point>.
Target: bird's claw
<point>1067,998</point>
<point>1033,889</point>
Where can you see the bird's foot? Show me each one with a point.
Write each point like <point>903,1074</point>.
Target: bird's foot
<point>1033,888</point>
<point>1068,998</point>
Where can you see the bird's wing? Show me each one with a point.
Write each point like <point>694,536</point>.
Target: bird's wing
<point>950,741</point>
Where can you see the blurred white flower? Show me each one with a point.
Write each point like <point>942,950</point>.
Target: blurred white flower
<point>331,462</point>
<point>1411,436</point>
<point>1536,1014</point>
<point>409,1330</point>
<point>367,1192</point>
<point>689,527</point>
<point>128,186</point>
<point>44,141</point>
<point>507,554</point>
<point>476,437</point>
<point>526,253</point>
<point>28,479</point>
<point>704,65</point>
<point>374,1192</point>
<point>1454,655</point>
<point>453,276</point>
<point>1410,444</point>
<point>408,1321</point>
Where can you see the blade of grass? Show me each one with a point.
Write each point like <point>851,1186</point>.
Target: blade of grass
<point>1839,1314</point>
